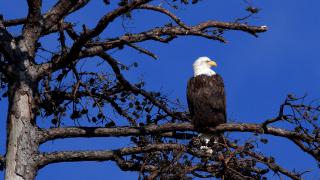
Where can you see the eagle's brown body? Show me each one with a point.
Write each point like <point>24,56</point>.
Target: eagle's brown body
<point>206,101</point>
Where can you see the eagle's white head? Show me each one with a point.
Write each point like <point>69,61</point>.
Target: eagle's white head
<point>202,66</point>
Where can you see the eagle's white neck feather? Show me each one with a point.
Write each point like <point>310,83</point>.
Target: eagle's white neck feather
<point>202,69</point>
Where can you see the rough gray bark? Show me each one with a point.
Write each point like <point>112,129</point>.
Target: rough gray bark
<point>22,146</point>
<point>22,132</point>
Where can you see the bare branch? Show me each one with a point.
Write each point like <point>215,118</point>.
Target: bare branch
<point>14,22</point>
<point>162,34</point>
<point>86,35</point>
<point>61,9</point>
<point>108,18</point>
<point>167,33</point>
<point>273,166</point>
<point>22,21</point>
<point>75,156</point>
<point>71,132</point>
<point>313,153</point>
<point>144,51</point>
<point>57,27</point>
<point>166,12</point>
<point>54,15</point>
<point>270,121</point>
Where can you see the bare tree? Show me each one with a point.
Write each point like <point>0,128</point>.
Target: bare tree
<point>166,147</point>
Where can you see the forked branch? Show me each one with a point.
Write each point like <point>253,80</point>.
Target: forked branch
<point>60,10</point>
<point>162,34</point>
<point>159,34</point>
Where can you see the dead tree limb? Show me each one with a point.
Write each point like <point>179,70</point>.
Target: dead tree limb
<point>72,132</point>
<point>74,156</point>
<point>273,166</point>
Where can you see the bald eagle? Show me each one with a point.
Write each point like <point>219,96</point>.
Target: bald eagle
<point>206,98</point>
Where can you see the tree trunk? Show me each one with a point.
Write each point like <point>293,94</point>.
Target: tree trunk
<point>22,133</point>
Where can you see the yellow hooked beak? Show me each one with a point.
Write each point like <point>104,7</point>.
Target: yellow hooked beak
<point>212,63</point>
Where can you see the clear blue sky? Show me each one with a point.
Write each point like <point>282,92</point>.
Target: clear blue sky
<point>258,72</point>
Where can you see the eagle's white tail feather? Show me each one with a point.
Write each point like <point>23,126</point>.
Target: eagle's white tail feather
<point>206,138</point>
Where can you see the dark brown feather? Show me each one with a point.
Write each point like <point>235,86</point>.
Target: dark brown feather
<point>206,101</point>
